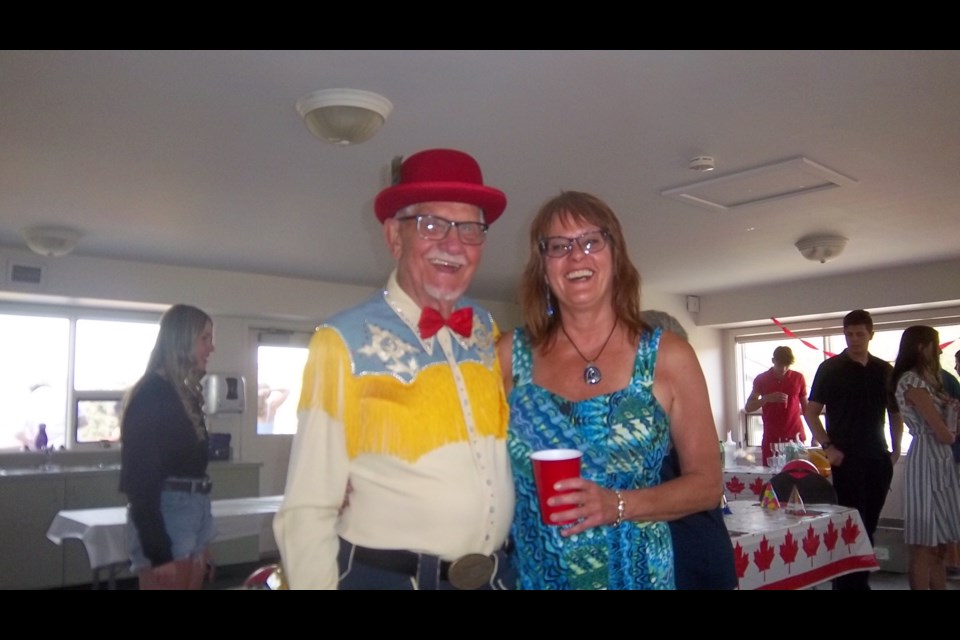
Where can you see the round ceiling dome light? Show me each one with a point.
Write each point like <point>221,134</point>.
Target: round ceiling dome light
<point>344,116</point>
<point>51,241</point>
<point>702,163</point>
<point>821,248</point>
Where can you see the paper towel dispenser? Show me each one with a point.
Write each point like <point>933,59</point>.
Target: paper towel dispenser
<point>223,393</point>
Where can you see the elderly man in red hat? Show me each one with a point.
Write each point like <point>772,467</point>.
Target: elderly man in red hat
<point>398,475</point>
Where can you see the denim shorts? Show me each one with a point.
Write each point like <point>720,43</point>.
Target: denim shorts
<point>188,520</point>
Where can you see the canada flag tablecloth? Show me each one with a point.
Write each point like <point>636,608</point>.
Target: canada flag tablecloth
<point>745,482</point>
<point>775,550</point>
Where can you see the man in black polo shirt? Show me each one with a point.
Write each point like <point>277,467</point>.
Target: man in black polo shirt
<point>853,386</point>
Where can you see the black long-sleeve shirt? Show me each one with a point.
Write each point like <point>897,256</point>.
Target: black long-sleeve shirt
<point>159,441</point>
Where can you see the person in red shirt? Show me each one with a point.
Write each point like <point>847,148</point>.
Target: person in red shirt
<point>781,395</point>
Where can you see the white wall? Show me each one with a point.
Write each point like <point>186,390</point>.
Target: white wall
<point>932,283</point>
<point>706,341</point>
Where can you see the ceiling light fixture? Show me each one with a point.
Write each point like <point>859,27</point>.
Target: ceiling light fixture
<point>821,248</point>
<point>51,241</point>
<point>344,116</point>
<point>702,163</point>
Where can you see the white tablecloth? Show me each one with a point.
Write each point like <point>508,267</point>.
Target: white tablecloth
<point>775,550</point>
<point>103,531</point>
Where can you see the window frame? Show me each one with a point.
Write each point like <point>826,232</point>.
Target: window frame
<point>149,314</point>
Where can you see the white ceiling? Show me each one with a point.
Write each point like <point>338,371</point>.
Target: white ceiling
<point>198,158</point>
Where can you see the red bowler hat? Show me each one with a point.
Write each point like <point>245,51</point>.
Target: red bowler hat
<point>440,175</point>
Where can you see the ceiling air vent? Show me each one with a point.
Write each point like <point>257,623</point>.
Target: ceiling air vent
<point>26,274</point>
<point>773,181</point>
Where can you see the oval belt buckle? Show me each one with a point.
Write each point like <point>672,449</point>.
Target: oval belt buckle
<point>471,571</point>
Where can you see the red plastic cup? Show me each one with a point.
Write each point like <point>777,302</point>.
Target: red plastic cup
<point>549,467</point>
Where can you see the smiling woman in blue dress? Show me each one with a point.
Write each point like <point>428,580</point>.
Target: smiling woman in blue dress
<point>585,372</point>
<point>164,457</point>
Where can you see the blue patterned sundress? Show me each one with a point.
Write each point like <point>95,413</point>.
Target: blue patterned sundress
<point>624,437</point>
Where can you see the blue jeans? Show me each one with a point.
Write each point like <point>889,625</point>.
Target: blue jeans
<point>188,520</point>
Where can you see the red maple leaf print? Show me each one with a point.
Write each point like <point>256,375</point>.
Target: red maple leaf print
<point>757,486</point>
<point>850,531</point>
<point>811,543</point>
<point>763,557</point>
<point>735,485</point>
<point>789,549</point>
<point>741,559</point>
<point>830,537</point>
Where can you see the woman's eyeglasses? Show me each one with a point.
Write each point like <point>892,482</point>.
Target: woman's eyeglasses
<point>559,246</point>
<point>436,228</point>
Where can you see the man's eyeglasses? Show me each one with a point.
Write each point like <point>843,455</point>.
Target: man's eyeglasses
<point>559,246</point>
<point>436,228</point>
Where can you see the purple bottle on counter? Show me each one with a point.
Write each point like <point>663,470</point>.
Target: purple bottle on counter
<point>41,442</point>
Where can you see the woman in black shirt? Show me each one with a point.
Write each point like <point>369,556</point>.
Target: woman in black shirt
<point>164,457</point>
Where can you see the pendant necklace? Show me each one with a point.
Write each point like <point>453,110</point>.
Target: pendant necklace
<point>591,374</point>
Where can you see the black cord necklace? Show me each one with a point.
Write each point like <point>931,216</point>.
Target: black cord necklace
<point>591,374</point>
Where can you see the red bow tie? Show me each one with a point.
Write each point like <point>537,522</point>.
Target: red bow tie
<point>460,321</point>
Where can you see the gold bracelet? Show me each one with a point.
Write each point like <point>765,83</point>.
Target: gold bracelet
<point>621,506</point>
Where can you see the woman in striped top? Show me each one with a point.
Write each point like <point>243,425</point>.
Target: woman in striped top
<point>931,478</point>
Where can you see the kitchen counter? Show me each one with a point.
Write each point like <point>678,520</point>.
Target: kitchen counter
<point>51,469</point>
<point>100,468</point>
<point>31,496</point>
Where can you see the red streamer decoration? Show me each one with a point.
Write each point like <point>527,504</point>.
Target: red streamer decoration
<point>816,348</point>
<point>793,335</point>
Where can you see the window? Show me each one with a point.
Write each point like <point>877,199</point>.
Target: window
<point>110,356</point>
<point>756,357</point>
<point>69,372</point>
<point>33,379</point>
<point>281,356</point>
<point>754,350</point>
